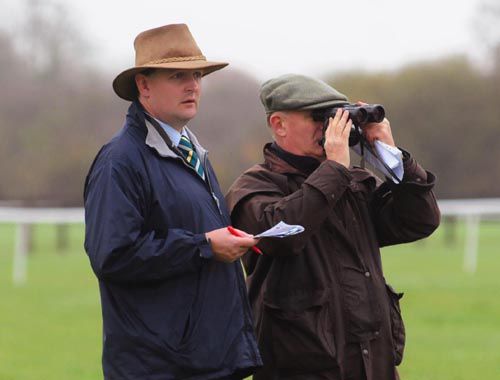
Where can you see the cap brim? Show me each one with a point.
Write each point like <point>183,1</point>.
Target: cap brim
<point>124,83</point>
<point>327,104</point>
<point>315,106</point>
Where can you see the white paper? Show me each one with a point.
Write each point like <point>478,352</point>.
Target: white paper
<point>392,156</point>
<point>281,230</point>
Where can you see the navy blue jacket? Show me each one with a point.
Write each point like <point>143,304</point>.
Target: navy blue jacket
<point>170,311</point>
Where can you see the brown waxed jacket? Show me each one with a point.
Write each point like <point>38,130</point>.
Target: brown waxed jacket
<point>321,305</point>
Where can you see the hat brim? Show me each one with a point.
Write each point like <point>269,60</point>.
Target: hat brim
<point>327,104</point>
<point>124,83</point>
<point>315,106</point>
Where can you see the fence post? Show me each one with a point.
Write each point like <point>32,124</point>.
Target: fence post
<point>21,254</point>
<point>450,226</point>
<point>62,238</point>
<point>471,243</point>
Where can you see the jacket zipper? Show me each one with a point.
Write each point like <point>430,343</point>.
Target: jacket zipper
<point>217,202</point>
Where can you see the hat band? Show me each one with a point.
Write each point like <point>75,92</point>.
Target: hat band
<point>176,59</point>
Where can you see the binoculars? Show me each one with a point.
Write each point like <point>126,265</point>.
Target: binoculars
<point>358,114</point>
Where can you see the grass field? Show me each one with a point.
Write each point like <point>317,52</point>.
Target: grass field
<point>51,327</point>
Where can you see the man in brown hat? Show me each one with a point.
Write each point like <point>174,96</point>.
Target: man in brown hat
<point>321,304</point>
<point>172,288</point>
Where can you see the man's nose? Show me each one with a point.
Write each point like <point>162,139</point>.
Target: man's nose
<point>193,83</point>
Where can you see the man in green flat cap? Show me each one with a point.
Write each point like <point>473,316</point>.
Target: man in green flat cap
<point>321,305</point>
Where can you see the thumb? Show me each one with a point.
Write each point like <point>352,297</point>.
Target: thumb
<point>243,233</point>
<point>247,241</point>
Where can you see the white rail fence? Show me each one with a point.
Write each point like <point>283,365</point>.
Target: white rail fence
<point>23,218</point>
<point>471,210</point>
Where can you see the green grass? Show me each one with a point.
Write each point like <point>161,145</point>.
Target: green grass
<point>452,318</point>
<point>51,327</point>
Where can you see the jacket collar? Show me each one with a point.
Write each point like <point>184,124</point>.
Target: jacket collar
<point>305,164</point>
<point>154,139</point>
<point>278,165</point>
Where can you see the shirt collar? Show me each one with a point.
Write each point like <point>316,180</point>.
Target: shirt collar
<point>173,134</point>
<point>164,147</point>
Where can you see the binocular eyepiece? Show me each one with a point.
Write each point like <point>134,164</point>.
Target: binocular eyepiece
<point>358,114</point>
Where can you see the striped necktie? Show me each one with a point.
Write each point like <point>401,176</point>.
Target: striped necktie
<point>190,155</point>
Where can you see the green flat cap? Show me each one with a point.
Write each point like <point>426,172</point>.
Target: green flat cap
<point>298,92</point>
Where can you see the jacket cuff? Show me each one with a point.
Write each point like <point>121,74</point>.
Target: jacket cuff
<point>331,179</point>
<point>204,247</point>
<point>414,175</point>
<point>413,172</point>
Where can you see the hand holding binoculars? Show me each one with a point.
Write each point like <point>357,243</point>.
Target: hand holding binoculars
<point>358,114</point>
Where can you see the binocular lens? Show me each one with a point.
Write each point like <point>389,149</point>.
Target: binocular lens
<point>358,115</point>
<point>377,114</point>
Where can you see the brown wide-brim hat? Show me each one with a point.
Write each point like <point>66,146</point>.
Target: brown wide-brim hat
<point>167,47</point>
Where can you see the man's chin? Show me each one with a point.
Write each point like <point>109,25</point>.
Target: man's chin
<point>319,156</point>
<point>187,116</point>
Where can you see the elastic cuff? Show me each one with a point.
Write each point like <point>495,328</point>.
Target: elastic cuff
<point>413,172</point>
<point>204,247</point>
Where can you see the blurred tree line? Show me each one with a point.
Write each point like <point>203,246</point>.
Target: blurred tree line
<point>57,111</point>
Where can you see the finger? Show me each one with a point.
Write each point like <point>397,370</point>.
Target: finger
<point>335,127</point>
<point>374,131</point>
<point>241,252</point>
<point>332,124</point>
<point>243,233</point>
<point>246,242</point>
<point>368,132</point>
<point>343,120</point>
<point>347,130</point>
<point>338,114</point>
<point>329,129</point>
<point>341,125</point>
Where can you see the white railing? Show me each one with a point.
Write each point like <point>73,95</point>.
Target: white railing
<point>20,215</point>
<point>24,218</point>
<point>468,207</point>
<point>471,210</point>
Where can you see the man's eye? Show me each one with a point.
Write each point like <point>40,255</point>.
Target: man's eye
<point>197,75</point>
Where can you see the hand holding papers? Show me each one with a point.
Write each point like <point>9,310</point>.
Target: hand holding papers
<point>280,230</point>
<point>233,231</point>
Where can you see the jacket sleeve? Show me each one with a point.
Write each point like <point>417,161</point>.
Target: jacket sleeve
<point>119,246</point>
<point>408,211</point>
<point>309,206</point>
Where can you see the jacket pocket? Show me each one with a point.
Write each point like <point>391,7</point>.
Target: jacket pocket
<point>360,303</point>
<point>397,325</point>
<point>302,339</point>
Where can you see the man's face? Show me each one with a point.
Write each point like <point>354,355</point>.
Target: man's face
<point>299,134</point>
<point>171,95</point>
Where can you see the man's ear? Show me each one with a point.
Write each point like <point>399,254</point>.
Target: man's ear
<point>277,124</point>
<point>141,81</point>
